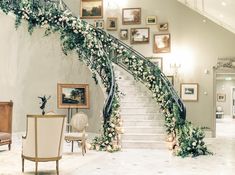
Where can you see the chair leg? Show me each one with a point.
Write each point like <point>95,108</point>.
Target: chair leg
<point>57,167</point>
<point>22,164</point>
<point>83,147</point>
<point>72,146</point>
<point>36,168</point>
<point>9,146</point>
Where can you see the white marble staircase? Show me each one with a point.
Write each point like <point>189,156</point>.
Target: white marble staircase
<point>142,123</point>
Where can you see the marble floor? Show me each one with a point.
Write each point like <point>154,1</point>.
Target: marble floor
<point>133,161</point>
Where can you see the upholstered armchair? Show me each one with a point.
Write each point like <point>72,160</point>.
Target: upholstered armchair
<point>79,122</point>
<point>6,123</point>
<point>44,139</point>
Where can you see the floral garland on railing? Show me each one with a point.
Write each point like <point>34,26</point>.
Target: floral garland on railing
<point>76,36</point>
<point>184,137</point>
<point>91,46</point>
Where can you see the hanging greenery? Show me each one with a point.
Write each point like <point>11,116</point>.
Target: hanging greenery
<point>97,49</point>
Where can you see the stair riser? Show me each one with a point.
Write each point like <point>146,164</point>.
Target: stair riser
<point>144,137</point>
<point>138,110</point>
<point>131,104</point>
<point>135,94</point>
<point>140,123</point>
<point>137,145</point>
<point>144,130</point>
<point>137,99</point>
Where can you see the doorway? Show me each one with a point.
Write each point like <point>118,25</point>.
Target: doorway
<point>224,104</point>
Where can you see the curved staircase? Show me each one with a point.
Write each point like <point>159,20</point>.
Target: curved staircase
<point>142,122</point>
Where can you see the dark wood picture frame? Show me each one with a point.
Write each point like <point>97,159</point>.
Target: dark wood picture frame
<point>131,16</point>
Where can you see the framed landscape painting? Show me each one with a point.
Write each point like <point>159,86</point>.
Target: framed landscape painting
<point>139,35</point>
<point>189,91</point>
<point>73,96</point>
<point>91,9</point>
<point>131,16</point>
<point>162,43</point>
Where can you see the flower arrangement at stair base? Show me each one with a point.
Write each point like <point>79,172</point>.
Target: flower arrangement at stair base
<point>75,35</point>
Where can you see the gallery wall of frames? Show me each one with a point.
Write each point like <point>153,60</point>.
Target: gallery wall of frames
<point>133,30</point>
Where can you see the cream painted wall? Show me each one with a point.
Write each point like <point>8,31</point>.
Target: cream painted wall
<point>195,45</point>
<point>224,87</point>
<point>31,66</point>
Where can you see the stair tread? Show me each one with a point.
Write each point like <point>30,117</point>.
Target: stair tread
<point>144,141</point>
<point>144,134</point>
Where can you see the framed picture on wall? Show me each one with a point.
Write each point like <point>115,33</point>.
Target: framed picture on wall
<point>171,79</point>
<point>189,91</point>
<point>73,96</point>
<point>99,24</point>
<point>151,20</point>
<point>131,16</point>
<point>163,27</point>
<point>91,9</point>
<point>157,61</point>
<point>162,43</point>
<point>139,35</point>
<point>221,97</point>
<point>111,23</point>
<point>124,34</point>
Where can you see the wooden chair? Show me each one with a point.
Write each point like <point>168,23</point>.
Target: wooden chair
<point>6,123</point>
<point>44,139</point>
<point>79,122</point>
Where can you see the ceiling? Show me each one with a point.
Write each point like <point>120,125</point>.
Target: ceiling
<point>221,12</point>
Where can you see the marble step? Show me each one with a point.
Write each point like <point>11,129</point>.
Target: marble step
<point>144,137</point>
<point>147,123</point>
<point>137,99</point>
<point>132,110</point>
<point>149,116</point>
<point>138,104</point>
<point>144,129</point>
<point>143,144</point>
<point>135,94</point>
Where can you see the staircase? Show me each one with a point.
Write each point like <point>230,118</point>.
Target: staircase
<point>142,123</point>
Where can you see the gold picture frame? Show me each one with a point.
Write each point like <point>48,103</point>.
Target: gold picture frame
<point>73,96</point>
<point>112,23</point>
<point>91,9</point>
<point>140,35</point>
<point>162,43</point>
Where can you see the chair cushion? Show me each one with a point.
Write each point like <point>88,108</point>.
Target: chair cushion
<point>5,136</point>
<point>73,136</point>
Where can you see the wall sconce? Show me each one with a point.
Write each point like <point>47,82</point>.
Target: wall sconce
<point>175,67</point>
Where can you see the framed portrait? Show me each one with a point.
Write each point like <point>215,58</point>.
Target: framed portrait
<point>73,96</point>
<point>189,91</point>
<point>221,97</point>
<point>151,20</point>
<point>124,34</point>
<point>99,24</point>
<point>163,27</point>
<point>157,61</point>
<point>91,9</point>
<point>162,43</point>
<point>111,23</point>
<point>139,35</point>
<point>131,16</point>
<point>171,79</point>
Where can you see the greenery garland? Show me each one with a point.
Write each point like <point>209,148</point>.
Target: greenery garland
<point>95,48</point>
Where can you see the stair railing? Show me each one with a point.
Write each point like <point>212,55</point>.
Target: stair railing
<point>107,41</point>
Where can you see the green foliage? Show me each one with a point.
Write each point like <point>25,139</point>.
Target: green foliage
<point>97,50</point>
